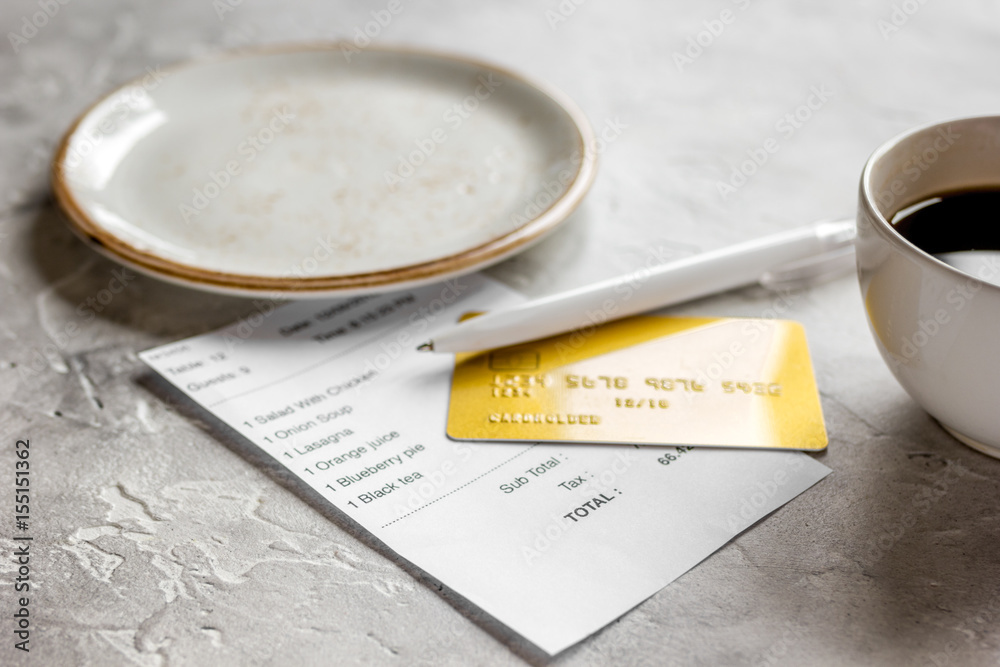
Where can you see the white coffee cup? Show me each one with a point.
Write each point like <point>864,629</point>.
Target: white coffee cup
<point>936,326</point>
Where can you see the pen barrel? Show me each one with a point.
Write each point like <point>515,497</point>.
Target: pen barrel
<point>644,290</point>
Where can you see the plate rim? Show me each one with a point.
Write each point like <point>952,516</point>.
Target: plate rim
<point>441,268</point>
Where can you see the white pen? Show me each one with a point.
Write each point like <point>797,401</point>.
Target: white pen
<point>647,289</point>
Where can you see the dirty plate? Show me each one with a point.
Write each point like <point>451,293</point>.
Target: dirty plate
<point>322,170</point>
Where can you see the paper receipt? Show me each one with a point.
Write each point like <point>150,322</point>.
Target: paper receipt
<point>553,541</point>
<point>723,382</point>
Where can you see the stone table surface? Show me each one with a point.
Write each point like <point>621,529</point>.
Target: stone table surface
<point>159,542</point>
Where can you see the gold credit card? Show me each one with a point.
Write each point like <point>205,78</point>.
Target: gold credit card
<point>721,382</point>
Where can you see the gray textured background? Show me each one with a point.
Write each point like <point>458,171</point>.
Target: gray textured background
<point>162,540</point>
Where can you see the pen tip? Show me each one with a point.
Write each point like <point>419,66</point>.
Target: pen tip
<point>426,347</point>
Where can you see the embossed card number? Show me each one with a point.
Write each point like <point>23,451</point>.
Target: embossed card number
<point>646,380</point>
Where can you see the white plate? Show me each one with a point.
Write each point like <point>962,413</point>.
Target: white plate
<point>312,171</point>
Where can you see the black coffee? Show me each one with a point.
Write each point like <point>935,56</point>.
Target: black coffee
<point>960,221</point>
